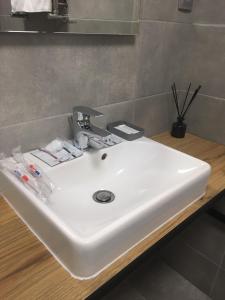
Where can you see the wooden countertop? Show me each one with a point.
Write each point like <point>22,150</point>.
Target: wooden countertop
<point>27,269</point>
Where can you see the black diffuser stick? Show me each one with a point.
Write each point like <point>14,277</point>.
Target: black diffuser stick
<point>178,109</point>
<point>187,94</point>
<point>191,101</point>
<point>175,98</point>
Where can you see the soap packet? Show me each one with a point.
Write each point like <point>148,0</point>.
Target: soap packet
<point>63,149</point>
<point>56,152</point>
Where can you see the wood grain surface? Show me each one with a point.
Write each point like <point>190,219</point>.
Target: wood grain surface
<point>27,269</point>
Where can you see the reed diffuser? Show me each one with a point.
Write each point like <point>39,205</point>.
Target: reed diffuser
<point>179,128</point>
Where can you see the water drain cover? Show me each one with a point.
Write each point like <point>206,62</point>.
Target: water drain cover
<point>103,196</point>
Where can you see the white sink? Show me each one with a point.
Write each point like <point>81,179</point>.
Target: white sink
<point>151,183</point>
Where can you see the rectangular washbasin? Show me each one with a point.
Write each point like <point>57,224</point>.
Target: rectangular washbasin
<point>151,184</point>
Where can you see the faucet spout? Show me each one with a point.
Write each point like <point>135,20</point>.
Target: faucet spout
<point>86,134</point>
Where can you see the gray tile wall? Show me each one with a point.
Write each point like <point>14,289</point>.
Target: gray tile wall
<point>204,11</point>
<point>106,9</point>
<point>198,43</point>
<point>206,65</point>
<point>44,76</point>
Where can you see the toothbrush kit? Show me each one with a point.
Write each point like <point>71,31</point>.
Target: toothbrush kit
<point>29,174</point>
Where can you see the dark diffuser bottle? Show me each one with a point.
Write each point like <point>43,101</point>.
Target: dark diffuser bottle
<point>179,128</point>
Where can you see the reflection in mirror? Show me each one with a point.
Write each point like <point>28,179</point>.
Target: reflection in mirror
<point>72,16</point>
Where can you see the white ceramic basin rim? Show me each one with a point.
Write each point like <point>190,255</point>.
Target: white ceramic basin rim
<point>151,183</point>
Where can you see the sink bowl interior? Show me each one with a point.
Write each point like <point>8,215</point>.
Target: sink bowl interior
<point>136,173</point>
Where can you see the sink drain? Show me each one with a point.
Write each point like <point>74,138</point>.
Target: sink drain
<point>103,196</point>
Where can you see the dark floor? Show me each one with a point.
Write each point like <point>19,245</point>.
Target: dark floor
<point>190,267</point>
<point>202,245</point>
<point>155,281</point>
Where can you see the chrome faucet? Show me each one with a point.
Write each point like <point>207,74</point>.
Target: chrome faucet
<point>84,132</point>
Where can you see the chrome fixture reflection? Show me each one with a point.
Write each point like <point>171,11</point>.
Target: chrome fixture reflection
<point>85,134</point>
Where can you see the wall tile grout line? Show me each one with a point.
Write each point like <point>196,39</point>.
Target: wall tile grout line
<point>100,106</point>
<point>204,95</point>
<point>35,120</point>
<point>222,26</point>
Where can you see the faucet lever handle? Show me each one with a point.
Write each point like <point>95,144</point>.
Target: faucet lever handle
<point>87,111</point>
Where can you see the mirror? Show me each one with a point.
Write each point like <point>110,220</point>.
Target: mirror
<point>119,17</point>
